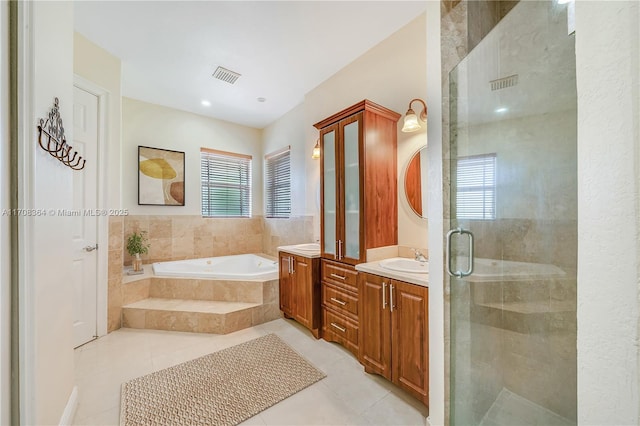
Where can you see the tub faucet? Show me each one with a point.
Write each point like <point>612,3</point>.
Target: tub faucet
<point>419,256</point>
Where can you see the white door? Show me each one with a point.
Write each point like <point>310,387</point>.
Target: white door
<point>85,219</point>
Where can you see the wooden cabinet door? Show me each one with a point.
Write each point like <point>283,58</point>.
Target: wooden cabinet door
<point>375,324</point>
<point>302,290</point>
<point>410,338</point>
<point>286,277</point>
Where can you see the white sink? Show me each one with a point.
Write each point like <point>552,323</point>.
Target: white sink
<point>402,264</point>
<point>308,247</point>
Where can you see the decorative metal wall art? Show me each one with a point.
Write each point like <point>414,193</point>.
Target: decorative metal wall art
<point>56,143</point>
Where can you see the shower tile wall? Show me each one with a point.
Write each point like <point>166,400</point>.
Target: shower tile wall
<point>536,359</point>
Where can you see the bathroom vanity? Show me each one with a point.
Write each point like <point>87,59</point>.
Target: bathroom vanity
<point>299,274</point>
<point>394,327</point>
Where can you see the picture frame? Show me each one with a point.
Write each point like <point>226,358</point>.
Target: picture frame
<point>160,177</point>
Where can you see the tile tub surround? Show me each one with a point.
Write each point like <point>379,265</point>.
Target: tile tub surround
<point>181,237</point>
<point>114,273</point>
<point>279,232</point>
<point>186,237</point>
<point>196,305</point>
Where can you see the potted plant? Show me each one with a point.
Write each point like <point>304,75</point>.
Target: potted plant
<point>137,244</point>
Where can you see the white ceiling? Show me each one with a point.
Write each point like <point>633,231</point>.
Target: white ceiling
<point>169,49</point>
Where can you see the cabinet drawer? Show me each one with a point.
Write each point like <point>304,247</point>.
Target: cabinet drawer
<point>340,300</point>
<point>340,274</point>
<point>337,328</point>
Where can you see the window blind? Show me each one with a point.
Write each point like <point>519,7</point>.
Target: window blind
<point>277,183</point>
<point>226,184</point>
<point>476,187</point>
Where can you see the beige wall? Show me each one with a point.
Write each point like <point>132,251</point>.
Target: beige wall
<point>289,130</point>
<point>95,64</point>
<point>608,84</point>
<point>391,74</point>
<point>47,360</point>
<point>161,127</point>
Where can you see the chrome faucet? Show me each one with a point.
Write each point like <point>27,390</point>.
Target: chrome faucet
<point>419,256</point>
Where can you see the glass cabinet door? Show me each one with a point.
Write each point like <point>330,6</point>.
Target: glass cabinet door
<point>329,196</point>
<point>350,247</point>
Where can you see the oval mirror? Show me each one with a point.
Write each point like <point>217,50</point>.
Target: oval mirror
<point>415,182</point>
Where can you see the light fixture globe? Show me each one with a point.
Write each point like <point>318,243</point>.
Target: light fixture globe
<point>316,150</point>
<point>411,122</point>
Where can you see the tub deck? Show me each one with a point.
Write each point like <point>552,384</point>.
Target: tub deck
<point>198,305</point>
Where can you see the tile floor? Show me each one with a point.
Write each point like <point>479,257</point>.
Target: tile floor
<point>347,396</point>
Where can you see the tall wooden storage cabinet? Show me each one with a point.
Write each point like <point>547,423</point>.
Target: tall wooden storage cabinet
<point>359,207</point>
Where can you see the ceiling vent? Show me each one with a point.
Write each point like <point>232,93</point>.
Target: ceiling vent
<point>503,83</point>
<point>226,75</point>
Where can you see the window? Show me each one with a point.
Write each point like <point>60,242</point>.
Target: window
<point>277,183</point>
<point>226,183</point>
<point>476,187</point>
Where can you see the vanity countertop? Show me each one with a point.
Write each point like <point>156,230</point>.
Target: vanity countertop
<point>375,269</point>
<point>294,249</point>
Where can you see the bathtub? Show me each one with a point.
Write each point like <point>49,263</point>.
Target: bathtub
<point>236,267</point>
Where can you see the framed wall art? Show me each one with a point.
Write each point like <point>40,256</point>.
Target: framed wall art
<point>160,177</point>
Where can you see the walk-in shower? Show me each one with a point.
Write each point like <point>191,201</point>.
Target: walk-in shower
<point>514,219</point>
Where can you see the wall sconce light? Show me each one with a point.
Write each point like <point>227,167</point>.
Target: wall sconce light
<point>316,150</point>
<point>411,123</point>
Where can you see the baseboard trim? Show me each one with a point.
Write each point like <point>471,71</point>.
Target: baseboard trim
<point>70,409</point>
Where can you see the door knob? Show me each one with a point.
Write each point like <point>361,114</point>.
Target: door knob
<point>91,248</point>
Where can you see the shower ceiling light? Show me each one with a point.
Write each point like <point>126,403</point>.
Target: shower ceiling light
<point>205,103</point>
<point>502,109</point>
<point>411,121</point>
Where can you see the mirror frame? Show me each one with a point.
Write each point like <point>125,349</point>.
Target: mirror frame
<point>409,173</point>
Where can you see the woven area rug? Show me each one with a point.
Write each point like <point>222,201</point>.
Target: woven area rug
<point>222,388</point>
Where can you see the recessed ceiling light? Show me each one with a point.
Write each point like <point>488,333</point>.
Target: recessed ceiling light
<point>205,103</point>
<point>501,110</point>
<point>261,99</point>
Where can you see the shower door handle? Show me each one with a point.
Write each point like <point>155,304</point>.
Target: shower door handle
<point>469,271</point>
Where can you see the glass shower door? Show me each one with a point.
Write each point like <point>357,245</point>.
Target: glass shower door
<point>512,248</point>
